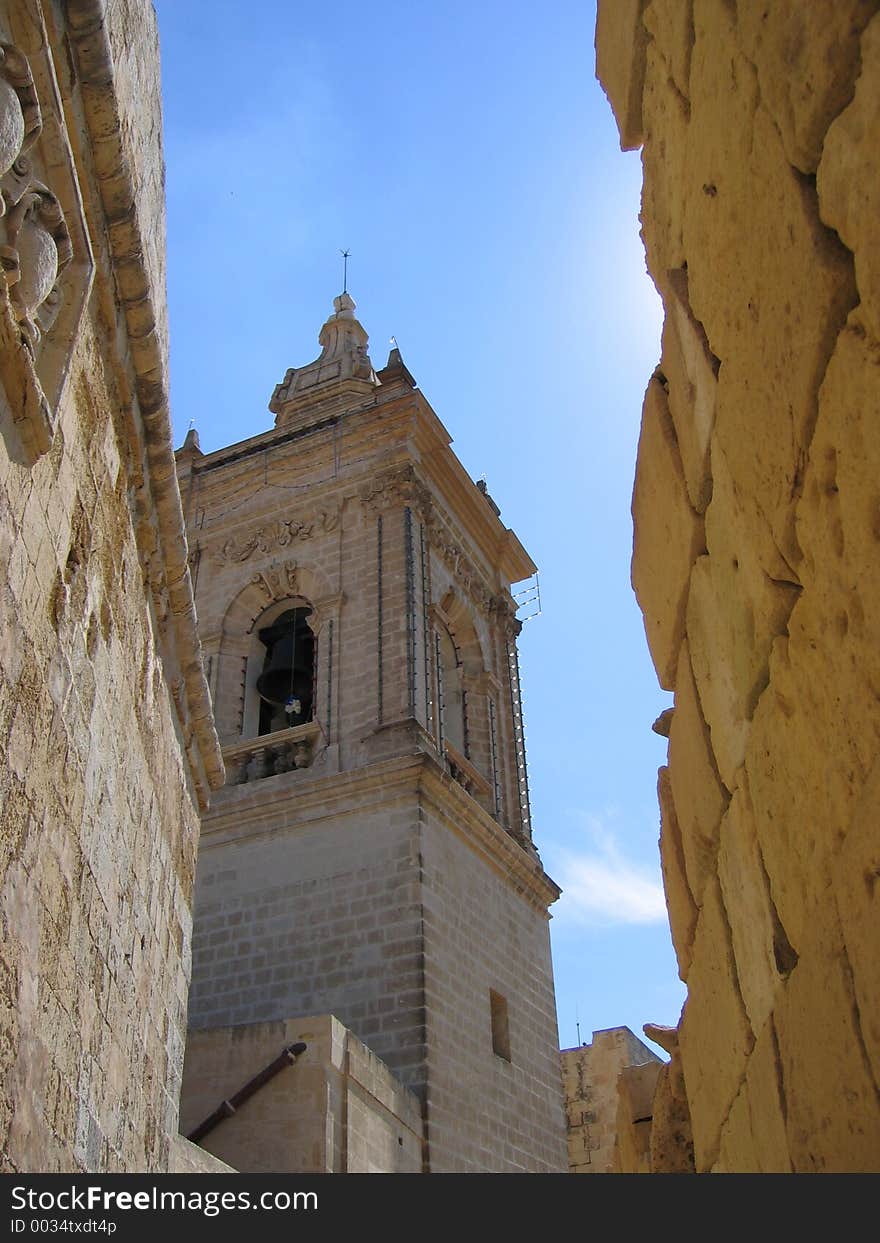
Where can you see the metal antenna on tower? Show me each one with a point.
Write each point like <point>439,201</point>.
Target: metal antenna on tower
<point>345,254</point>
<point>577,1023</point>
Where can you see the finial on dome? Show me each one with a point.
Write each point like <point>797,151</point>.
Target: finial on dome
<point>344,305</point>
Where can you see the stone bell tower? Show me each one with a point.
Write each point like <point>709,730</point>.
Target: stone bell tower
<point>371,855</point>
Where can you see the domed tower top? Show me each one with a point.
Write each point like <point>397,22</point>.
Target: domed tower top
<point>342,371</point>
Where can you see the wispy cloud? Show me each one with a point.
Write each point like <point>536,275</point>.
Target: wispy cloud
<point>602,886</point>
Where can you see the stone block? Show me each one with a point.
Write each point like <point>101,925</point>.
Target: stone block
<point>832,1121</point>
<point>668,534</point>
<point>762,951</point>
<point>714,1019</point>
<point>679,899</point>
<point>699,796</point>
<point>807,59</point>
<point>621,43</point>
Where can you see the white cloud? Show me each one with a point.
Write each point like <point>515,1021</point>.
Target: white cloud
<point>601,886</point>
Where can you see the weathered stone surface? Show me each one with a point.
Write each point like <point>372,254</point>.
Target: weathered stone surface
<point>679,899</point>
<point>832,1120</point>
<point>807,58</point>
<point>714,1019</point>
<point>670,23</point>
<point>591,1076</point>
<point>775,278</point>
<point>849,173</point>
<point>621,40</point>
<point>665,119</point>
<point>763,954</point>
<point>105,730</point>
<point>672,1141</point>
<point>700,798</point>
<point>753,1138</point>
<point>776,291</point>
<point>664,521</point>
<point>690,369</point>
<point>855,874</point>
<point>733,613</point>
<point>636,1086</point>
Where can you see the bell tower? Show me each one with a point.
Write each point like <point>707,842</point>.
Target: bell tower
<point>371,854</point>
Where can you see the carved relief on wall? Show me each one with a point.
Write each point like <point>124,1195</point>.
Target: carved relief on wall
<point>43,289</point>
<point>463,571</point>
<point>278,535</point>
<point>278,581</point>
<point>396,486</point>
<point>400,486</point>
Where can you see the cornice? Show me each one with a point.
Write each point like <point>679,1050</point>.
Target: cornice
<point>91,49</point>
<point>438,461</point>
<point>464,816</point>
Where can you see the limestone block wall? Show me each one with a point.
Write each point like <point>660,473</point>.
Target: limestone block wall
<point>484,932</point>
<point>590,1075</point>
<point>756,508</point>
<point>336,1110</point>
<point>313,906</point>
<point>106,744</point>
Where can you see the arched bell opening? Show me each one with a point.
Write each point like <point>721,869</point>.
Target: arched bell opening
<point>280,664</point>
<point>285,684</point>
<point>451,724</point>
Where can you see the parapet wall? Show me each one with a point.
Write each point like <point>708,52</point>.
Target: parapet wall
<point>757,531</point>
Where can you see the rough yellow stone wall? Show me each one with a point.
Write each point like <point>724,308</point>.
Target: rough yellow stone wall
<point>757,532</point>
<point>106,742</point>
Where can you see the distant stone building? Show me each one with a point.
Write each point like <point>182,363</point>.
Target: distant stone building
<point>590,1081</point>
<point>371,855</point>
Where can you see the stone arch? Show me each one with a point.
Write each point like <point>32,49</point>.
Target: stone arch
<point>267,587</point>
<point>458,618</point>
<point>460,663</point>
<point>258,602</point>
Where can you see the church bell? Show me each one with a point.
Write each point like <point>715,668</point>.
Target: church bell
<point>286,679</point>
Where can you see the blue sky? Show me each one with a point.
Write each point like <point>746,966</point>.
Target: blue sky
<point>468,158</point>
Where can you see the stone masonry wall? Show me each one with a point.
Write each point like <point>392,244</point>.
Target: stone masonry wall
<point>318,916</point>
<point>336,1109</point>
<point>757,532</point>
<point>590,1074</point>
<point>100,751</point>
<point>484,1112</point>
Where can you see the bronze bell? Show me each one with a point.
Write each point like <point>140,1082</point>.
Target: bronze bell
<point>286,679</point>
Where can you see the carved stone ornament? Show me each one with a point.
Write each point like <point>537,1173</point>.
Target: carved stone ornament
<point>20,120</point>
<point>278,535</point>
<point>35,244</point>
<point>35,252</point>
<point>465,573</point>
<point>46,264</point>
<point>394,487</point>
<point>400,486</point>
<point>278,581</point>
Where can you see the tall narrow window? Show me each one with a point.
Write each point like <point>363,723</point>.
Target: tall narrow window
<point>500,1025</point>
<point>286,682</point>
<point>451,706</point>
